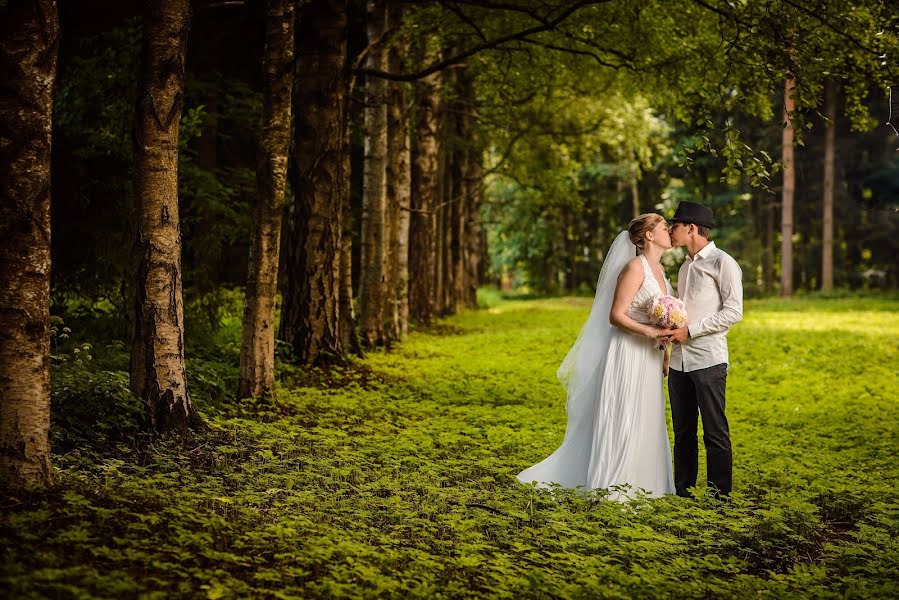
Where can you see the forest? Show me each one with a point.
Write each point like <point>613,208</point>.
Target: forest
<point>284,285</point>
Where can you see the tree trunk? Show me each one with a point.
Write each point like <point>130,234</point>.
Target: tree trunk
<point>473,226</point>
<point>448,218</point>
<point>789,188</point>
<point>349,339</point>
<point>398,194</point>
<point>457,242</point>
<point>438,253</point>
<point>830,111</point>
<point>157,352</point>
<point>635,184</point>
<point>351,208</point>
<point>770,219</point>
<point>374,196</point>
<point>257,351</point>
<point>425,197</point>
<point>29,42</point>
<point>310,315</point>
<point>346,311</point>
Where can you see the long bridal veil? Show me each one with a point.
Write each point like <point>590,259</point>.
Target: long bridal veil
<point>581,375</point>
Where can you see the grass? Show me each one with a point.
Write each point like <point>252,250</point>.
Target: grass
<point>395,477</point>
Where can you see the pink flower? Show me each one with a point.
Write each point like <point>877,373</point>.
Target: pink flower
<point>668,312</point>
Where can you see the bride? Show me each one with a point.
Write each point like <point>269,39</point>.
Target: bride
<point>616,432</point>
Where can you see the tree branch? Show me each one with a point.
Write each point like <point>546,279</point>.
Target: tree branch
<point>592,55</point>
<point>489,44</point>
<point>836,29</point>
<point>463,17</point>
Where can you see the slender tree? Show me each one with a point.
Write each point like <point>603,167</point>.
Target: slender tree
<point>458,206</point>
<point>399,189</point>
<point>257,352</point>
<point>352,182</point>
<point>789,189</point>
<point>372,279</point>
<point>157,351</point>
<point>443,273</point>
<point>29,41</point>
<point>425,197</point>
<point>830,111</point>
<point>634,180</point>
<point>310,319</point>
<point>474,232</point>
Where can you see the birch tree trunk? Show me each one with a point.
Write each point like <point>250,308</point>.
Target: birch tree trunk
<point>310,315</point>
<point>399,189</point>
<point>789,188</point>
<point>29,42</point>
<point>374,196</point>
<point>830,111</point>
<point>257,351</point>
<point>425,197</point>
<point>157,352</point>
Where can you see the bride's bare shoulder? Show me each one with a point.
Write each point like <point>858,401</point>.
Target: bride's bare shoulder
<point>634,264</point>
<point>632,268</point>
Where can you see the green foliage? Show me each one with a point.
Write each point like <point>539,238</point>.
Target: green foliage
<point>395,477</point>
<point>685,93</point>
<point>93,118</point>
<point>92,403</point>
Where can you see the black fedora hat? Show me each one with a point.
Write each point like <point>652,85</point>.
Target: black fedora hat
<point>691,212</point>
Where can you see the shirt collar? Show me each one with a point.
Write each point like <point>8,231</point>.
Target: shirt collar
<point>704,253</point>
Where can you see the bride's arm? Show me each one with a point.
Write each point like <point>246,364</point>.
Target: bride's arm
<point>629,283</point>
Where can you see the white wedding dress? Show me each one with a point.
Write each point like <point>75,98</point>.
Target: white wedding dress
<point>616,433</point>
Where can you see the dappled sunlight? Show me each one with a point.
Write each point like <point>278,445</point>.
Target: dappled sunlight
<point>874,323</point>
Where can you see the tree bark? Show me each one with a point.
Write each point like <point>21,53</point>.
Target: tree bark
<point>473,226</point>
<point>346,311</point>
<point>398,193</point>
<point>830,111</point>
<point>459,205</point>
<point>349,338</point>
<point>157,352</point>
<point>310,315</point>
<point>440,261</point>
<point>770,220</point>
<point>374,197</point>
<point>257,351</point>
<point>789,188</point>
<point>353,180</point>
<point>425,197</point>
<point>29,42</point>
<point>447,217</point>
<point>635,184</point>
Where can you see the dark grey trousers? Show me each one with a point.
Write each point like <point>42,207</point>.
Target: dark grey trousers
<point>695,393</point>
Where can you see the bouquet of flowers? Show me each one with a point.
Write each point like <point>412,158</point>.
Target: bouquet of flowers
<point>668,312</point>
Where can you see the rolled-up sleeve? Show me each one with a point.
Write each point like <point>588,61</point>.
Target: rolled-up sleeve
<point>730,286</point>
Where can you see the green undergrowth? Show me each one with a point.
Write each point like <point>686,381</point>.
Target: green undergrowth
<point>394,476</point>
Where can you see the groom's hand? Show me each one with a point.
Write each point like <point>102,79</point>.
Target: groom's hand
<point>679,336</point>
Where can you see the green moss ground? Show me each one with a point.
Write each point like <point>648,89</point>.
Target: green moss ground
<point>395,477</point>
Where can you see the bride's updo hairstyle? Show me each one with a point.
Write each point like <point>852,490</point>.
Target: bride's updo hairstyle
<point>638,228</point>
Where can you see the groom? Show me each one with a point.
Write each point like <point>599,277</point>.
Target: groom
<point>710,285</point>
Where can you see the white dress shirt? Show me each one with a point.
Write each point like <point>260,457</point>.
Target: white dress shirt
<point>711,286</point>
